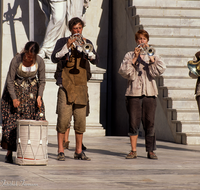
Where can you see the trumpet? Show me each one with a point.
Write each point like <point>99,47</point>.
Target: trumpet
<point>80,43</point>
<point>150,51</point>
<point>194,67</point>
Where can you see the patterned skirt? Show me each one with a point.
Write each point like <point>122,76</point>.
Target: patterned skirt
<point>27,109</point>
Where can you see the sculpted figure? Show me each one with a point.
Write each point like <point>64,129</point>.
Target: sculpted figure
<point>58,13</point>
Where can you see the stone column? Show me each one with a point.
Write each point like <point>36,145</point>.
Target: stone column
<point>31,20</point>
<point>1,38</point>
<point>93,125</point>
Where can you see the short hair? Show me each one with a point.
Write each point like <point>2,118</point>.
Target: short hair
<point>74,21</point>
<point>141,32</point>
<point>32,47</point>
<point>197,55</point>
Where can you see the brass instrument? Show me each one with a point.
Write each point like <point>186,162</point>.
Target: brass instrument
<point>150,51</point>
<point>80,42</point>
<point>194,67</point>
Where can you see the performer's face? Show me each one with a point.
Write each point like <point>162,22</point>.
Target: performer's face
<point>77,29</point>
<point>29,57</point>
<point>142,39</point>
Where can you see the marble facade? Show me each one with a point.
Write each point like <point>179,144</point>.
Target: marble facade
<point>112,35</point>
<point>15,33</point>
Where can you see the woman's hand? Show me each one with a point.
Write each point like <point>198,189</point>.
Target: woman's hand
<point>152,59</point>
<point>137,53</point>
<point>39,101</point>
<point>16,103</point>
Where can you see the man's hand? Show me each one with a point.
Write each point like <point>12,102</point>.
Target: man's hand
<point>70,42</point>
<point>91,56</point>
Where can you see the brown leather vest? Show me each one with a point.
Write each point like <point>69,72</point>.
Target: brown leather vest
<point>74,78</point>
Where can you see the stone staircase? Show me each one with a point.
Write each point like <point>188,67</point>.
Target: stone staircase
<point>174,28</point>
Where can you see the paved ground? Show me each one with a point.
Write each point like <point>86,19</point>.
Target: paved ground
<point>177,168</point>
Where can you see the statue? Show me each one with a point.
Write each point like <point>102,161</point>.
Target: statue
<point>58,13</point>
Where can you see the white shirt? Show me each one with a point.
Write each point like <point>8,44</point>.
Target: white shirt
<point>29,69</point>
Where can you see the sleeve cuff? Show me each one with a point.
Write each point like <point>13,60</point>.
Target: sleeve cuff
<point>63,51</point>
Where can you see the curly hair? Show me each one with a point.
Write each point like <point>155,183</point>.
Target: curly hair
<point>74,21</point>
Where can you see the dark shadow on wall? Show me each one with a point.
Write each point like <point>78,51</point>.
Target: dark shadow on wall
<point>102,43</point>
<point>120,32</point>
<point>113,114</point>
<point>39,23</point>
<point>10,18</point>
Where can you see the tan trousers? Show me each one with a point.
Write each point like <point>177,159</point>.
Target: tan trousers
<point>65,111</point>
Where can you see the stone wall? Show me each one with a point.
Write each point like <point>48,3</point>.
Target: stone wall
<point>16,34</point>
<point>124,41</point>
<point>107,87</point>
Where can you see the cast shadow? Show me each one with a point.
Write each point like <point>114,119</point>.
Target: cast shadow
<point>10,17</point>
<point>103,52</point>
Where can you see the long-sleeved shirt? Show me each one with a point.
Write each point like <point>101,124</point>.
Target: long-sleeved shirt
<point>61,53</point>
<point>72,74</point>
<point>16,61</point>
<point>197,89</point>
<point>141,75</point>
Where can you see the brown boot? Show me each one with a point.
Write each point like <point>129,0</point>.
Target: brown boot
<point>132,154</point>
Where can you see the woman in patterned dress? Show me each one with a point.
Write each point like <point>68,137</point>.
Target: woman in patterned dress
<point>22,96</point>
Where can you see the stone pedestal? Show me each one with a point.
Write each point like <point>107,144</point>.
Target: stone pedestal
<point>93,126</point>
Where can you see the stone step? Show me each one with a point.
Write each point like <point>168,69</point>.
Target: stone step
<point>183,93</point>
<point>183,114</point>
<point>90,130</point>
<point>50,69</point>
<point>164,3</point>
<point>175,40</point>
<point>172,30</point>
<point>170,21</point>
<point>176,60</point>
<point>188,126</point>
<point>188,138</point>
<point>181,104</point>
<point>177,81</point>
<point>165,11</point>
<point>186,51</point>
<point>176,71</point>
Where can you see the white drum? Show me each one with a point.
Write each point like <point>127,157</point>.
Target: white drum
<point>32,142</point>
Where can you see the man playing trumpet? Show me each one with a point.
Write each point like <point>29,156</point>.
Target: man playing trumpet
<point>72,93</point>
<point>194,67</point>
<point>140,70</point>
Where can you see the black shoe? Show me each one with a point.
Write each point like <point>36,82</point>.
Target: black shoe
<point>81,156</point>
<point>83,147</point>
<point>152,155</point>
<point>8,159</point>
<point>61,156</point>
